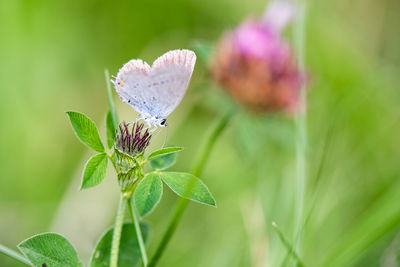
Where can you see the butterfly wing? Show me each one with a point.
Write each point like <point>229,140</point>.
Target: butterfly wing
<point>130,84</point>
<point>170,75</point>
<point>158,90</point>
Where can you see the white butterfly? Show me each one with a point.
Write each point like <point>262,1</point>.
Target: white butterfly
<point>154,92</point>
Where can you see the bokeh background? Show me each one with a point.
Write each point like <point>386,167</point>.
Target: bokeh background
<point>52,58</point>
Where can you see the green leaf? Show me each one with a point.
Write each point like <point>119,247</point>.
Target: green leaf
<point>163,162</point>
<point>164,151</point>
<point>148,193</point>
<point>49,249</point>
<point>86,130</point>
<point>129,252</point>
<point>95,171</point>
<point>188,186</point>
<point>110,130</point>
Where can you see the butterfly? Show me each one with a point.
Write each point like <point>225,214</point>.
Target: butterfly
<point>154,92</point>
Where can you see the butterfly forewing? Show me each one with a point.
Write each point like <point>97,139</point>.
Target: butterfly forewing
<point>130,82</point>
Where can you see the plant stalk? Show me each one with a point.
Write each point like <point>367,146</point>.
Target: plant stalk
<point>139,235</point>
<point>197,170</point>
<point>119,221</point>
<point>110,99</point>
<point>12,254</point>
<point>301,123</point>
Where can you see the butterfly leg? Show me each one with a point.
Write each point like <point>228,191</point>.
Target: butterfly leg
<point>133,122</point>
<point>154,127</point>
<point>149,124</point>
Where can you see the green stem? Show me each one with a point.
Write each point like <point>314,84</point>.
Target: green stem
<point>197,170</point>
<point>12,254</point>
<point>209,145</point>
<point>110,99</point>
<point>119,221</point>
<point>139,235</point>
<point>301,122</point>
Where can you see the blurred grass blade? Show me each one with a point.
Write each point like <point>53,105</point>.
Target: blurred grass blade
<point>287,244</point>
<point>86,130</point>
<point>381,218</point>
<point>113,111</point>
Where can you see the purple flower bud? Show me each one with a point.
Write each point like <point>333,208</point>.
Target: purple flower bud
<point>132,142</point>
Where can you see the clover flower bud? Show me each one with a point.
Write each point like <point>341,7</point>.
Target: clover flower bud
<point>256,66</point>
<point>130,144</point>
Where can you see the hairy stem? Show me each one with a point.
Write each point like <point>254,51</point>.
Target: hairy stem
<point>197,170</point>
<point>119,221</point>
<point>12,254</point>
<point>139,236</point>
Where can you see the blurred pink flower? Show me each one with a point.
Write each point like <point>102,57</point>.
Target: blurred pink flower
<point>256,65</point>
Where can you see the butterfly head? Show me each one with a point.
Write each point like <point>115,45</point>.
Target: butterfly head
<point>155,121</point>
<point>163,123</point>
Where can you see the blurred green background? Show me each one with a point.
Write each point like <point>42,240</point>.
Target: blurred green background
<point>52,57</point>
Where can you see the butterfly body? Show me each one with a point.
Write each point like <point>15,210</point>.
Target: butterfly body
<point>154,92</point>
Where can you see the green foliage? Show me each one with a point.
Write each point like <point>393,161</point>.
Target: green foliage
<point>95,171</point>
<point>188,186</point>
<point>50,249</point>
<point>148,193</point>
<point>86,130</point>
<point>129,253</point>
<point>110,130</point>
<point>163,151</point>
<point>352,65</point>
<point>163,162</point>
